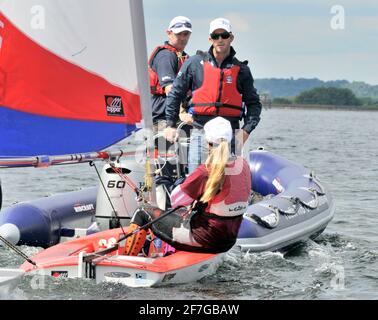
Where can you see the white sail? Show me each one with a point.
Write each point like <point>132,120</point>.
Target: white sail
<point>98,35</point>
<point>103,42</point>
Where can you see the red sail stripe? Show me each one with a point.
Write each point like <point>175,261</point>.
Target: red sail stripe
<point>37,81</point>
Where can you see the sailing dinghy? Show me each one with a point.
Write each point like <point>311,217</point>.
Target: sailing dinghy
<point>86,88</point>
<point>70,87</point>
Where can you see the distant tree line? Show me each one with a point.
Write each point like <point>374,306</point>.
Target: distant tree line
<point>286,88</point>
<point>327,96</point>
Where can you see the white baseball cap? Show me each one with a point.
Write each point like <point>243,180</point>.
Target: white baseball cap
<point>217,129</point>
<point>220,23</point>
<point>180,24</point>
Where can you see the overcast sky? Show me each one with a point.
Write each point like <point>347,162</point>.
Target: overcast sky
<point>283,38</point>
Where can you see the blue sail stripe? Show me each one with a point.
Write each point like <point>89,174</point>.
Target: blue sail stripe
<point>24,134</point>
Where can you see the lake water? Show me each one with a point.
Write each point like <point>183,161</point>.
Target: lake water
<point>342,148</point>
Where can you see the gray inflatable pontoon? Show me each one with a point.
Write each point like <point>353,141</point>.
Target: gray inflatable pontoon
<point>296,206</point>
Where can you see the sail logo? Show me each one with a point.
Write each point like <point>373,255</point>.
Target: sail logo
<point>59,274</point>
<point>114,106</point>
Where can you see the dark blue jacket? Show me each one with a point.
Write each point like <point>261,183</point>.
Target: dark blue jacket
<point>165,64</point>
<point>190,77</point>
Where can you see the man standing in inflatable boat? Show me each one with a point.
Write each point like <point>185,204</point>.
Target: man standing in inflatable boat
<point>221,186</point>
<point>164,64</point>
<point>221,85</point>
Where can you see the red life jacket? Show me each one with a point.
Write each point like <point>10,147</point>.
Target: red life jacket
<point>155,86</point>
<point>232,200</point>
<point>218,94</point>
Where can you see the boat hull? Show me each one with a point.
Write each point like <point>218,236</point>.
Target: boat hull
<point>65,260</point>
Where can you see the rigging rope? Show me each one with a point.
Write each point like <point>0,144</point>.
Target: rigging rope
<point>18,251</point>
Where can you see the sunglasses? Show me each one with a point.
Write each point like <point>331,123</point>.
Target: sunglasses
<point>224,35</point>
<point>181,24</point>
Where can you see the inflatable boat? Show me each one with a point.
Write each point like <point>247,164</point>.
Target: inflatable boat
<point>295,206</point>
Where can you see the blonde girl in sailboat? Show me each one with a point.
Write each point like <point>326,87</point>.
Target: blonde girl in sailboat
<point>220,187</point>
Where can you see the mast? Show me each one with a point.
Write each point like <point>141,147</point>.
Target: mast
<point>140,46</point>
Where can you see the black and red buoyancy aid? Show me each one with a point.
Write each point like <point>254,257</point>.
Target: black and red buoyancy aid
<point>218,94</point>
<point>155,86</point>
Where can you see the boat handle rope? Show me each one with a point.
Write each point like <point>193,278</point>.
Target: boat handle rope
<point>313,178</point>
<point>265,220</point>
<point>315,194</point>
<point>18,251</point>
<point>296,201</point>
<point>296,204</point>
<point>314,191</point>
<point>277,215</point>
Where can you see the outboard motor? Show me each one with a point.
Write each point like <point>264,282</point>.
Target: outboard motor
<point>116,199</point>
